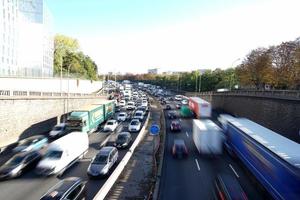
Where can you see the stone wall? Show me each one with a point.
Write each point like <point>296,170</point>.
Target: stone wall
<point>21,117</point>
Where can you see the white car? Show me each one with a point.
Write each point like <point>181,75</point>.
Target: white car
<point>110,125</point>
<point>122,116</point>
<point>178,97</point>
<point>130,105</point>
<point>122,103</point>
<point>135,125</point>
<point>144,103</point>
<point>139,114</point>
<point>184,102</point>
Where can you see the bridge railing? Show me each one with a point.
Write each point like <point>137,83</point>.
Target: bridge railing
<point>281,94</point>
<point>10,93</point>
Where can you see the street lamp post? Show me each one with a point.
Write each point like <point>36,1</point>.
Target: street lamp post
<point>231,76</point>
<point>68,88</point>
<point>200,74</point>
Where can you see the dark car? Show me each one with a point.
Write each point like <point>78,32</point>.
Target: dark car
<point>19,163</point>
<point>175,125</point>
<point>123,140</point>
<point>227,187</point>
<point>70,188</point>
<point>31,143</point>
<point>179,149</point>
<point>172,115</point>
<point>178,106</point>
<point>168,107</point>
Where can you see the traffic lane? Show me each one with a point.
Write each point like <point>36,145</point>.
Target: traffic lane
<point>212,166</point>
<point>25,186</point>
<point>13,189</point>
<point>182,179</point>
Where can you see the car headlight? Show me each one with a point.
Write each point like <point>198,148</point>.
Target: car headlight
<point>15,170</point>
<point>104,170</point>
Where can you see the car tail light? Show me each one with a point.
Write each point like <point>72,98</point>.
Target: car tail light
<point>221,195</point>
<point>185,150</point>
<point>244,196</point>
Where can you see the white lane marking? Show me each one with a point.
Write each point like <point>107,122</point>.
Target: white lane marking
<point>234,171</point>
<point>197,164</point>
<point>187,134</point>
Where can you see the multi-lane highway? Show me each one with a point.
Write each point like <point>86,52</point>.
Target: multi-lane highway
<point>193,177</point>
<point>31,186</point>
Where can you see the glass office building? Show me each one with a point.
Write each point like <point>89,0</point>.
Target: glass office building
<point>27,42</point>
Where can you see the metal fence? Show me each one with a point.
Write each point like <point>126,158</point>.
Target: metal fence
<point>10,93</point>
<point>280,94</point>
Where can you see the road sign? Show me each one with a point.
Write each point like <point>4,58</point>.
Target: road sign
<point>154,129</point>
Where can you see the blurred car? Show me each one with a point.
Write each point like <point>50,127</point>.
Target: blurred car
<point>139,114</point>
<point>179,149</point>
<point>168,107</point>
<point>227,187</point>
<point>178,97</point>
<point>70,188</point>
<point>172,115</point>
<point>19,163</point>
<point>118,108</point>
<point>178,106</point>
<point>58,130</point>
<point>135,125</point>
<point>130,105</point>
<point>103,162</point>
<point>175,125</point>
<point>122,116</point>
<point>184,102</point>
<point>110,125</point>
<point>123,140</point>
<point>122,103</point>
<point>31,143</point>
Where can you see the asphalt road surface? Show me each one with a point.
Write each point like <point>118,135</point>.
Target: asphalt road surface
<point>193,177</point>
<point>30,186</point>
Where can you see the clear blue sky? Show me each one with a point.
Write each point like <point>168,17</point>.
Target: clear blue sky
<point>90,17</point>
<point>174,35</point>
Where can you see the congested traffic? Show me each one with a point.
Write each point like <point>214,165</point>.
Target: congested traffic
<point>79,154</point>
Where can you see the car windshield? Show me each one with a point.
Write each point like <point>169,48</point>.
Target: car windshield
<point>134,122</point>
<point>57,128</point>
<point>53,154</point>
<point>121,115</point>
<point>16,160</point>
<point>138,114</point>
<point>100,159</point>
<point>26,142</point>
<point>110,123</point>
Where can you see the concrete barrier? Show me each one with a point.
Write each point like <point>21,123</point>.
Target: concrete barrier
<point>119,169</point>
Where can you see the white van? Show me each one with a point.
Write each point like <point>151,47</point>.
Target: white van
<point>62,153</point>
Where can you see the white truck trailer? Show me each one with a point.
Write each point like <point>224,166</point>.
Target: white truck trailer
<point>207,136</point>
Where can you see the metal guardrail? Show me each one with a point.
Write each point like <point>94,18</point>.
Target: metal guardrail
<point>278,94</point>
<point>10,93</point>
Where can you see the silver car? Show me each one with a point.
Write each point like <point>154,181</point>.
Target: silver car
<point>103,162</point>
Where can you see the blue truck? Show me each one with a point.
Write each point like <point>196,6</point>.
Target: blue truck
<point>273,159</point>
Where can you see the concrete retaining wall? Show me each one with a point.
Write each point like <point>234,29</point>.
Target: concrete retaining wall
<point>21,117</point>
<point>279,115</point>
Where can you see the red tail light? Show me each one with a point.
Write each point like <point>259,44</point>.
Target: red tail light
<point>244,196</point>
<point>221,195</point>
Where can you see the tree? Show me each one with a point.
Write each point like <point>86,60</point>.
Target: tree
<point>67,56</point>
<point>256,70</point>
<point>63,45</point>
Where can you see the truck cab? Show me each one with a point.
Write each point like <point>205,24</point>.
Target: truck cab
<point>78,121</point>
